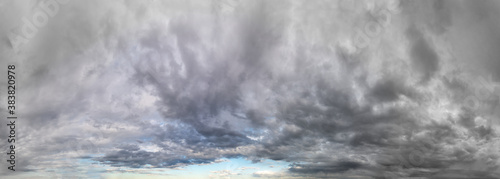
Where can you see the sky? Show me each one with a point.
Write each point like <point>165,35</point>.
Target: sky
<point>252,89</point>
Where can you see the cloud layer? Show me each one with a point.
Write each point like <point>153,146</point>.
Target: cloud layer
<point>339,89</point>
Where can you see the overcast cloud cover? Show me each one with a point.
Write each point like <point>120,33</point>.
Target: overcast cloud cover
<point>334,89</point>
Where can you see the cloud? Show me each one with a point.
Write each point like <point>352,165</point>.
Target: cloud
<point>151,85</point>
<point>424,58</point>
<point>317,168</point>
<point>265,174</point>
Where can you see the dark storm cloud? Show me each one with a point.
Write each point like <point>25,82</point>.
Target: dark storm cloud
<point>424,58</point>
<point>321,109</point>
<point>340,166</point>
<point>275,80</point>
<point>133,157</point>
<point>64,70</point>
<point>392,89</point>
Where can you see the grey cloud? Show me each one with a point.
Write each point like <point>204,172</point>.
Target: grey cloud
<point>340,166</point>
<point>424,58</point>
<point>274,80</point>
